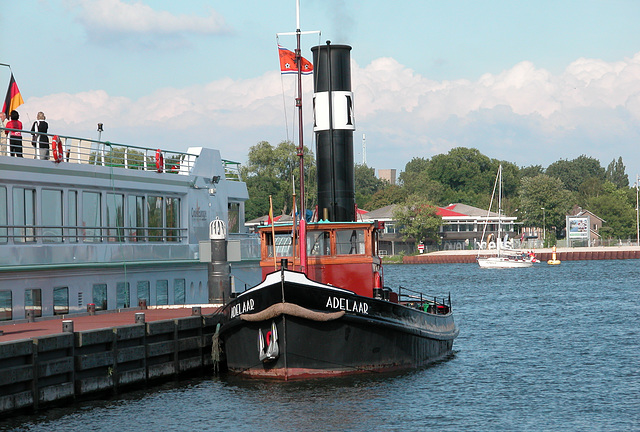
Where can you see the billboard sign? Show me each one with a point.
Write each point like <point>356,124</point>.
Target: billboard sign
<point>578,228</point>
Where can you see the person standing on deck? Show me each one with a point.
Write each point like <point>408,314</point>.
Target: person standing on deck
<point>40,141</point>
<point>15,137</point>
<point>3,136</point>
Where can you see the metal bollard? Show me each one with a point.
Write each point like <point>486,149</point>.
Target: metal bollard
<point>139,317</point>
<point>91,308</point>
<point>30,315</point>
<point>196,311</point>
<point>67,326</point>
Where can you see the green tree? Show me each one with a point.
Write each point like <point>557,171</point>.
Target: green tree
<point>590,188</point>
<point>392,194</point>
<point>366,184</point>
<point>544,202</point>
<point>614,207</point>
<point>467,176</point>
<point>414,175</point>
<point>417,219</point>
<point>616,174</point>
<point>573,173</point>
<point>531,171</point>
<point>259,190</point>
<point>269,171</point>
<point>463,169</point>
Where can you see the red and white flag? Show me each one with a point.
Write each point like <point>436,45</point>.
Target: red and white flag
<point>288,62</point>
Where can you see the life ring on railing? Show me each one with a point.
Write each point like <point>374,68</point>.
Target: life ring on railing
<point>159,161</point>
<point>56,144</point>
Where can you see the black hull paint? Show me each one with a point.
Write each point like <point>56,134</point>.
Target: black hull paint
<point>372,335</point>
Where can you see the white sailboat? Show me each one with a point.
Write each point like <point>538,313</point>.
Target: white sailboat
<point>503,258</point>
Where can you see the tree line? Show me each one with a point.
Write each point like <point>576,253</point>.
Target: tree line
<point>534,194</point>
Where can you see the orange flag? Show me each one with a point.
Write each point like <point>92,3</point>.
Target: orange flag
<point>288,62</point>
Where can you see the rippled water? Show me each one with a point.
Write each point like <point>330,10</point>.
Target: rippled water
<point>546,348</point>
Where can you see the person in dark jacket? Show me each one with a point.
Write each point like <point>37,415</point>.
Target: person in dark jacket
<point>40,141</point>
<point>15,137</point>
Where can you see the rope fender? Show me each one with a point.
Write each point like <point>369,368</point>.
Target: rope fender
<point>293,310</point>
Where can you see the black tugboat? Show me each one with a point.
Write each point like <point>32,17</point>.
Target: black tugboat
<point>322,308</point>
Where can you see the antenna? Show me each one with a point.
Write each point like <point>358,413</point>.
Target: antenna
<point>364,150</point>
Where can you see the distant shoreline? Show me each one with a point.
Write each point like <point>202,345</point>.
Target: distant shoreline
<point>562,254</point>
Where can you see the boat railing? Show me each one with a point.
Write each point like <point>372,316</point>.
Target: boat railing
<point>20,234</point>
<point>419,300</point>
<point>104,153</point>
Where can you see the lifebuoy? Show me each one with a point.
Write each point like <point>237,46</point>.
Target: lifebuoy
<point>56,144</point>
<point>159,161</point>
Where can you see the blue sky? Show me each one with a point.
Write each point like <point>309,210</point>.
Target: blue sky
<point>527,82</point>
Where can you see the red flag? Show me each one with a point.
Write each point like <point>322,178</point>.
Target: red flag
<point>13,99</point>
<point>288,62</point>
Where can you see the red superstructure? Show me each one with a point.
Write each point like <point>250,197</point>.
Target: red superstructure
<point>342,254</point>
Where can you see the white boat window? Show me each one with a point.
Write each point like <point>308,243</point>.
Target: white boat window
<point>24,214</point>
<point>318,243</point>
<point>135,221</point>
<point>100,296</point>
<point>155,215</point>
<point>178,291</point>
<point>123,296</point>
<point>33,301</point>
<point>51,216</point>
<point>162,292</point>
<point>3,218</point>
<point>234,217</point>
<point>61,301</point>
<point>172,218</point>
<point>283,245</point>
<point>6,305</point>
<point>143,292</point>
<point>115,217</point>
<point>73,216</point>
<point>91,217</point>
<point>350,242</point>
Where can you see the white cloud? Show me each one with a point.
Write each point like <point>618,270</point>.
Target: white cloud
<point>524,114</point>
<point>108,20</point>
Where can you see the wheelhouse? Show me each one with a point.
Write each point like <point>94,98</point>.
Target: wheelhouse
<point>343,254</point>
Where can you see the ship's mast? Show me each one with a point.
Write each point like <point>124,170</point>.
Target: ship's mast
<point>299,106</point>
<point>300,148</point>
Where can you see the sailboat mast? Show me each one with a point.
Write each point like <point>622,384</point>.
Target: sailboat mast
<point>499,237</point>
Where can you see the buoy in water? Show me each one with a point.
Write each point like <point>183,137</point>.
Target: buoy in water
<point>554,260</point>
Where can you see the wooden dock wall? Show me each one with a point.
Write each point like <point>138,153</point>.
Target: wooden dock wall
<point>572,255</point>
<point>50,369</point>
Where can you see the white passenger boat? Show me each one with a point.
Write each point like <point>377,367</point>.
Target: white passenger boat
<point>111,226</point>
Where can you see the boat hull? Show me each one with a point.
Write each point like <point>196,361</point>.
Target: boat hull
<point>341,347</point>
<point>316,339</point>
<point>495,262</point>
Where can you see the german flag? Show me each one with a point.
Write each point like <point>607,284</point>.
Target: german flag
<point>13,99</point>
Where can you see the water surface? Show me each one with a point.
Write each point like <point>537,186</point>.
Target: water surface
<point>545,348</point>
